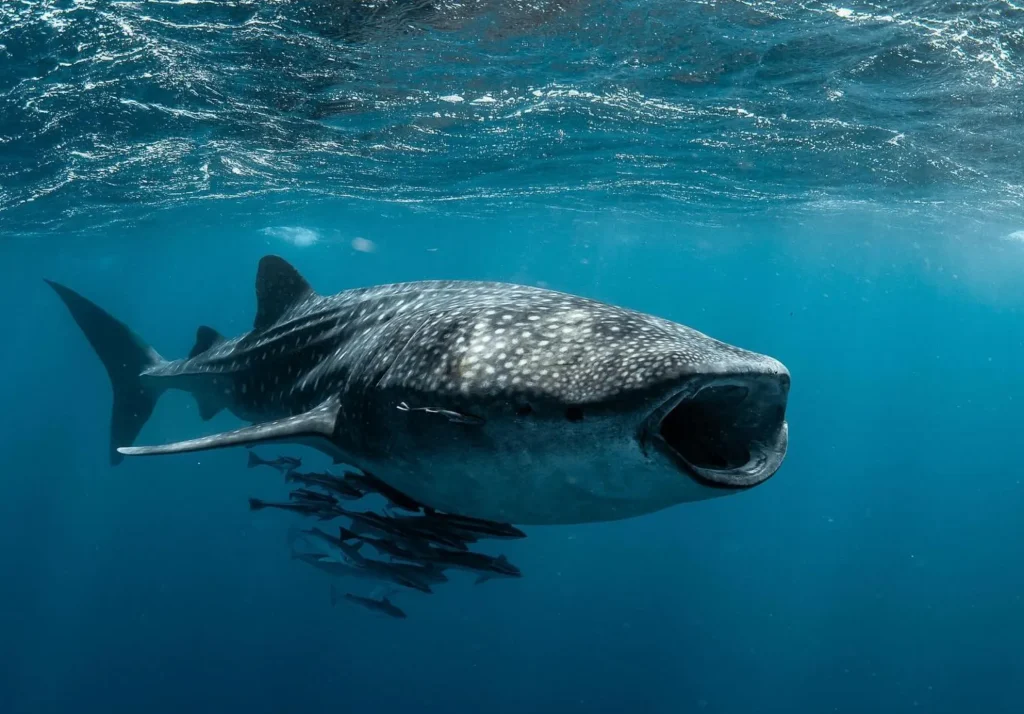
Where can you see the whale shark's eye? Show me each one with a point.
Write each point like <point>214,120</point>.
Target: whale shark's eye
<point>574,414</point>
<point>524,410</point>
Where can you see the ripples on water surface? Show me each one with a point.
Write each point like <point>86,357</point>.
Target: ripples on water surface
<point>152,152</point>
<point>108,109</point>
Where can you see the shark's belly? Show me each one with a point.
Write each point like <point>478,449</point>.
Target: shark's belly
<point>522,489</point>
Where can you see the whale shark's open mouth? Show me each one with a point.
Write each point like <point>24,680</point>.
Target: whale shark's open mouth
<point>726,431</point>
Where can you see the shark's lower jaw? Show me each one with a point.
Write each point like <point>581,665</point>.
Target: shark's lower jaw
<point>725,431</point>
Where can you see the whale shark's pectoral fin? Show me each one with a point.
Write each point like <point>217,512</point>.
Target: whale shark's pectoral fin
<point>318,423</point>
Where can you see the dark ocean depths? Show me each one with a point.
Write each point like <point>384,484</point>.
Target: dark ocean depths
<point>841,187</point>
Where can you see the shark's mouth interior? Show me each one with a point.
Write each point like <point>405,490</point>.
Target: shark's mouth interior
<point>731,431</point>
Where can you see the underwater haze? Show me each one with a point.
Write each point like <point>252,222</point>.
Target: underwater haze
<point>838,186</point>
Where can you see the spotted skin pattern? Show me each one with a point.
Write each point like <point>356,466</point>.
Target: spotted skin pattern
<point>450,338</point>
<point>498,401</point>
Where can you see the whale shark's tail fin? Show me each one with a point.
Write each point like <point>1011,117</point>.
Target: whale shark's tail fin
<point>125,356</point>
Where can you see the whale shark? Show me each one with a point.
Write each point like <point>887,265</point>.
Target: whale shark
<point>496,401</point>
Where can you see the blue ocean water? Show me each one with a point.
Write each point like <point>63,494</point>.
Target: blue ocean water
<point>837,186</point>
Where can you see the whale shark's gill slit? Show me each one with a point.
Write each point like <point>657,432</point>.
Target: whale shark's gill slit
<point>409,343</point>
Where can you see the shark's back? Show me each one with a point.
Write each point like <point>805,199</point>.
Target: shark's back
<point>452,338</point>
<point>438,338</point>
<point>304,343</point>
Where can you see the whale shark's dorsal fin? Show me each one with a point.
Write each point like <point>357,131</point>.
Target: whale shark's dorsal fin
<point>209,402</point>
<point>318,423</point>
<point>279,287</point>
<point>206,338</point>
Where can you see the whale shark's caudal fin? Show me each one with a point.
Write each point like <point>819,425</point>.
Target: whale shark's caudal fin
<point>315,427</point>
<point>125,356</point>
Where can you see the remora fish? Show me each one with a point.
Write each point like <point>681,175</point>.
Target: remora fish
<point>383,605</point>
<point>405,550</point>
<point>473,527</point>
<point>333,541</point>
<point>417,577</point>
<point>397,540</point>
<point>346,562</point>
<point>284,464</point>
<point>327,482</point>
<point>391,527</point>
<point>484,565</point>
<point>323,511</point>
<point>370,483</point>
<point>576,410</point>
<point>475,563</point>
<point>411,528</point>
<point>304,494</point>
<point>337,568</point>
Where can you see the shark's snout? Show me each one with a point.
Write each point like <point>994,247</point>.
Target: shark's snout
<point>726,430</point>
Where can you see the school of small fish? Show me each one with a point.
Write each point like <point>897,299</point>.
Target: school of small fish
<point>412,550</point>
